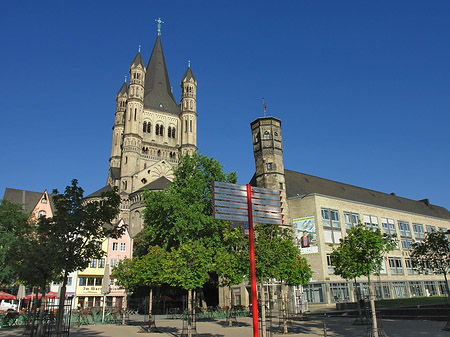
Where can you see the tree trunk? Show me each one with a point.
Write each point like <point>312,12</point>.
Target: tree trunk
<point>62,300</point>
<point>41,313</point>
<point>358,302</point>
<point>263,310</point>
<point>372,307</point>
<point>33,320</point>
<point>124,307</point>
<point>283,308</point>
<point>228,300</point>
<point>189,317</point>
<point>150,306</point>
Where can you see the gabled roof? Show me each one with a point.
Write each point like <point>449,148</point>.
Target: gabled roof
<point>95,194</point>
<point>156,185</point>
<point>188,75</point>
<point>27,199</point>
<point>300,184</point>
<point>158,93</point>
<point>123,90</point>
<point>138,61</point>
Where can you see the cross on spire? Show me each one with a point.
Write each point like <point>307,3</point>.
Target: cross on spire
<point>159,25</point>
<point>139,48</point>
<point>189,63</point>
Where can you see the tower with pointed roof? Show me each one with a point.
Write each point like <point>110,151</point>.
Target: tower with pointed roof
<point>151,132</point>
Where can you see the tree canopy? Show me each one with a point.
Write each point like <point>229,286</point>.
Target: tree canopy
<point>183,212</point>
<point>432,254</point>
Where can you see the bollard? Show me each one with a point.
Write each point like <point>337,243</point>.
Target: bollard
<point>324,330</point>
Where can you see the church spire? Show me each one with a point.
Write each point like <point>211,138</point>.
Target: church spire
<point>158,94</point>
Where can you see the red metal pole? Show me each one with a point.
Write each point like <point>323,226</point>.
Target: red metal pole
<point>252,263</point>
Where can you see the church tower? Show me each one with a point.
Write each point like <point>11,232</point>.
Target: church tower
<point>151,131</point>
<point>268,153</point>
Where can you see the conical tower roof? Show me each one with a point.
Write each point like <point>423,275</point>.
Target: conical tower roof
<point>188,75</point>
<point>158,94</point>
<point>138,60</point>
<point>123,90</point>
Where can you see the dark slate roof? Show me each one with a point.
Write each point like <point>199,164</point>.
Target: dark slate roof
<point>156,185</point>
<point>158,94</point>
<point>123,90</point>
<point>138,61</point>
<point>300,184</point>
<point>28,199</point>
<point>188,75</point>
<point>107,188</point>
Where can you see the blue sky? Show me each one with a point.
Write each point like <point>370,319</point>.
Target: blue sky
<point>362,87</point>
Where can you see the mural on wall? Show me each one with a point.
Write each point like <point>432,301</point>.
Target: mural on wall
<point>306,235</point>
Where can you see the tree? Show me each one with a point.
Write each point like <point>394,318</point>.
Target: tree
<point>188,267</point>
<point>433,255</point>
<point>361,253</point>
<point>78,228</point>
<point>231,262</point>
<point>272,241</point>
<point>14,225</point>
<point>183,211</point>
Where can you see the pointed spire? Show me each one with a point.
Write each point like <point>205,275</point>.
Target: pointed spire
<point>138,59</point>
<point>123,89</point>
<point>157,93</point>
<point>188,74</point>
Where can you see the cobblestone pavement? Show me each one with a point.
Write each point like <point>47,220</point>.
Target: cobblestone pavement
<point>314,327</point>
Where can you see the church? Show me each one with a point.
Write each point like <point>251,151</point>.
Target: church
<point>151,132</point>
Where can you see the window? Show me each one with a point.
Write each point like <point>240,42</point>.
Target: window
<point>157,129</point>
<point>404,229</point>
<point>416,288</point>
<point>442,287</point>
<point>330,266</point>
<point>101,263</point>
<point>409,267</point>
<point>370,221</point>
<point>122,246</point>
<point>144,127</point>
<point>399,289</point>
<point>339,292</point>
<point>395,264</point>
<point>430,288</point>
<point>93,263</point>
<point>430,229</point>
<point>115,246</point>
<point>161,130</point>
<point>276,135</point>
<point>44,200</point>
<point>190,126</point>
<point>281,186</point>
<point>169,132</point>
<point>173,132</point>
<point>266,135</point>
<point>42,214</point>
<point>314,293</point>
<point>331,225</point>
<point>113,263</point>
<point>98,281</point>
<point>269,166</point>
<point>90,281</point>
<point>406,243</point>
<point>388,226</point>
<point>418,231</point>
<point>185,125</point>
<point>351,219</point>
<point>82,281</point>
<point>69,281</point>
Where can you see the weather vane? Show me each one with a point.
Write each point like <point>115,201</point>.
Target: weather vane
<point>159,25</point>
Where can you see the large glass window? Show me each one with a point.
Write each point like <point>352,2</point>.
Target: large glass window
<point>416,289</point>
<point>430,288</point>
<point>330,266</point>
<point>404,229</point>
<point>351,219</point>
<point>418,231</point>
<point>399,289</point>
<point>409,267</point>
<point>331,225</point>
<point>406,244</point>
<point>93,263</point>
<point>315,293</point>
<point>430,229</point>
<point>388,226</point>
<point>395,265</point>
<point>339,292</point>
<point>370,221</point>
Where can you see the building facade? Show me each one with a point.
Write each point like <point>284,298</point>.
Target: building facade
<point>321,211</point>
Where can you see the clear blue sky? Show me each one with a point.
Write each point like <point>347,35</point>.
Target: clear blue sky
<point>362,87</point>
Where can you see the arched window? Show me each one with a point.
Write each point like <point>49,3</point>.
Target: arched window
<point>276,135</point>
<point>42,214</point>
<point>157,129</point>
<point>161,130</point>
<point>144,127</point>
<point>173,132</point>
<point>169,132</point>
<point>266,135</point>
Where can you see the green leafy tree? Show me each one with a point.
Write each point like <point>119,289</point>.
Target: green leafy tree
<point>270,242</point>
<point>188,267</point>
<point>361,253</point>
<point>433,255</point>
<point>78,228</point>
<point>13,226</point>
<point>183,211</point>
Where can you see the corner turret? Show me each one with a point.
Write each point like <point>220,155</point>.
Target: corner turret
<point>188,113</point>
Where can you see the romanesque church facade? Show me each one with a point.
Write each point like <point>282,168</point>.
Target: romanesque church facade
<point>151,132</point>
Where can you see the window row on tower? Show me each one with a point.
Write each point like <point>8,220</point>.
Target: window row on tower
<point>159,129</point>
